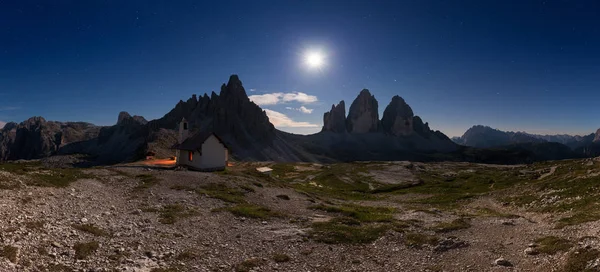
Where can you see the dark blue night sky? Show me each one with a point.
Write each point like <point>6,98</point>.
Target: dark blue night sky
<point>513,65</point>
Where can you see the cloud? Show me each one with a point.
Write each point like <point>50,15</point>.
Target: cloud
<point>9,108</point>
<point>253,90</point>
<point>2,124</point>
<point>266,99</point>
<point>279,119</point>
<point>302,109</point>
<point>277,98</point>
<point>300,97</point>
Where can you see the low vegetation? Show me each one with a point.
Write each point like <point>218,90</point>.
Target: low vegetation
<point>146,181</point>
<point>454,225</point>
<point>222,192</point>
<point>578,261</point>
<point>251,211</point>
<point>35,174</point>
<point>169,214</point>
<point>346,231</point>
<point>552,244</point>
<point>360,213</point>
<point>418,240</point>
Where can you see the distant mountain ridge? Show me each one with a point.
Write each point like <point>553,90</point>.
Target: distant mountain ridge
<point>485,137</point>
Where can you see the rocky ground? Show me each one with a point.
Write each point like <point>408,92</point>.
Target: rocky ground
<point>377,216</point>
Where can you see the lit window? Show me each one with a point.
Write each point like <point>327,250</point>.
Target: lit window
<point>190,155</point>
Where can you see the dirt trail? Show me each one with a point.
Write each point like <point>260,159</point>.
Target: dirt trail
<point>552,169</point>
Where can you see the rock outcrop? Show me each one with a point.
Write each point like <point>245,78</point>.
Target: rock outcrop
<point>363,115</point>
<point>335,119</point>
<point>125,117</point>
<point>37,138</point>
<point>230,114</point>
<point>397,118</point>
<point>597,136</point>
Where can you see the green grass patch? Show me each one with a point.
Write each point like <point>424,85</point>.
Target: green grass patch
<point>90,228</point>
<point>38,175</point>
<point>344,231</point>
<point>169,214</point>
<point>552,244</point>
<point>251,211</point>
<point>83,250</point>
<point>578,218</point>
<point>147,181</point>
<point>522,200</point>
<point>449,193</point>
<point>360,213</point>
<point>418,240</point>
<point>454,225</point>
<point>577,261</point>
<point>282,169</point>
<point>222,192</point>
<point>347,181</point>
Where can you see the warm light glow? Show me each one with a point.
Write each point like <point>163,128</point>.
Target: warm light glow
<point>314,59</point>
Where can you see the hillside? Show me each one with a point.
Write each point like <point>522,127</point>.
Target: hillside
<point>371,216</point>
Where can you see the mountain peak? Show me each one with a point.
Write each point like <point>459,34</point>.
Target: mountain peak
<point>335,120</point>
<point>397,117</point>
<point>363,115</point>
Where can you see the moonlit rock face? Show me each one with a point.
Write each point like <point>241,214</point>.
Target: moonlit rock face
<point>335,119</point>
<point>397,118</point>
<point>597,136</point>
<point>363,115</point>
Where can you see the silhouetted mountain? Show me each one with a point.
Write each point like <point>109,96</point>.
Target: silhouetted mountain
<point>245,127</point>
<point>485,137</point>
<point>36,138</point>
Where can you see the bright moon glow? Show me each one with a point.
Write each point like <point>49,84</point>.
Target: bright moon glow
<point>314,59</point>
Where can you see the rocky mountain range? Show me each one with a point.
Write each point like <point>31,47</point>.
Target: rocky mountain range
<point>486,137</point>
<point>245,127</point>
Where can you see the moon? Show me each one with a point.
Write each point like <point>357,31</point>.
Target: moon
<point>314,59</point>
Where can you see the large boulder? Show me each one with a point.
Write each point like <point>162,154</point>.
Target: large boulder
<point>335,119</point>
<point>397,118</point>
<point>363,115</point>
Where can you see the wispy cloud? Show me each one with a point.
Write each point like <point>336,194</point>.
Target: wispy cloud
<point>279,119</point>
<point>278,98</point>
<point>266,99</point>
<point>253,90</point>
<point>299,97</point>
<point>302,109</point>
<point>8,108</point>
